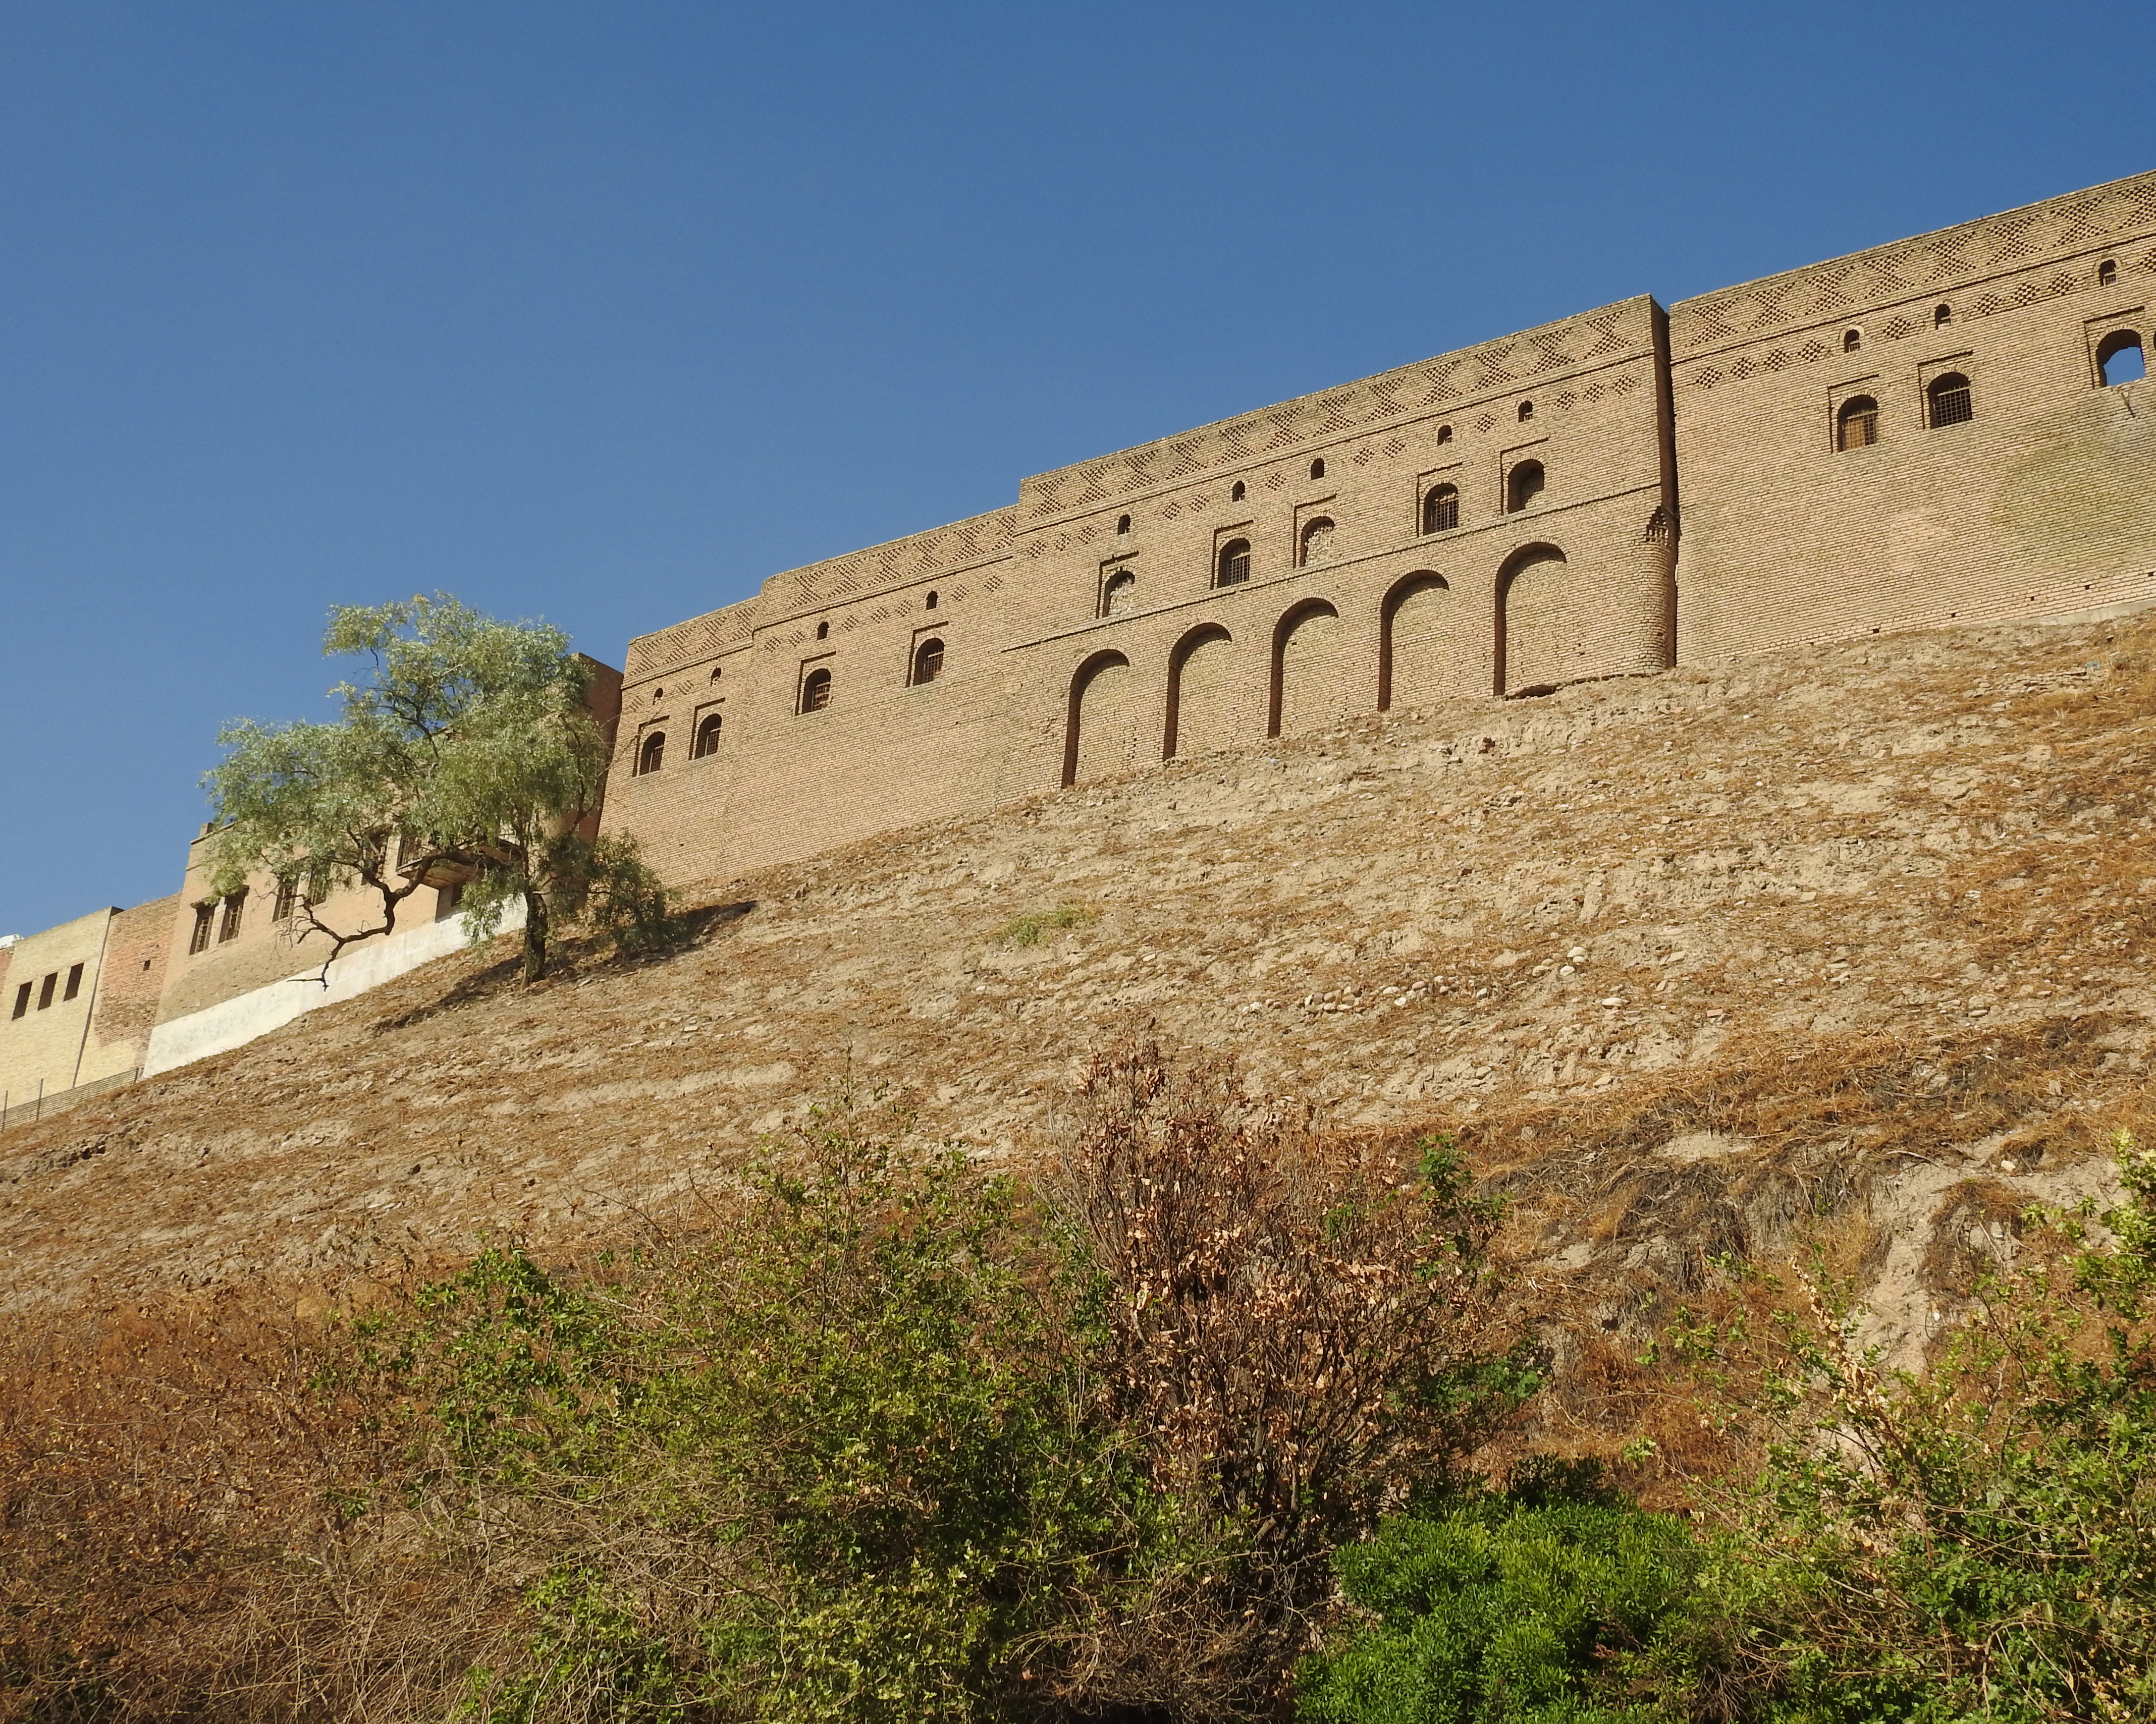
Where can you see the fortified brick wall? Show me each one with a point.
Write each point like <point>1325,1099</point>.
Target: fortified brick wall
<point>2043,502</point>
<point>1088,629</point>
<point>1104,621</point>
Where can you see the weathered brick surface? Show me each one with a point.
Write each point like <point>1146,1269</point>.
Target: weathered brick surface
<point>1083,633</point>
<point>1349,605</point>
<point>2044,503</point>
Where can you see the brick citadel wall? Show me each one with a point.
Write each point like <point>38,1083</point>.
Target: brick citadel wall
<point>1607,494</point>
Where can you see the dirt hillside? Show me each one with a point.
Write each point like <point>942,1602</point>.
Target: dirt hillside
<point>1690,960</point>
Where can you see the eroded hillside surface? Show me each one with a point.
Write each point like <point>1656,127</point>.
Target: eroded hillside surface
<point>1691,960</point>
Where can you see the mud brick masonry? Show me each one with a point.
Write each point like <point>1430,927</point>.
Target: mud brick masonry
<point>1940,431</point>
<point>1919,434</point>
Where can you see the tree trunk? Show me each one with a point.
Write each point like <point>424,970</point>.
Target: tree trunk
<point>534,935</point>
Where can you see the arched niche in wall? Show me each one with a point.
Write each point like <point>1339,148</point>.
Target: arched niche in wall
<point>1417,641</point>
<point>1546,629</point>
<point>1308,680</point>
<point>1100,736</point>
<point>1201,693</point>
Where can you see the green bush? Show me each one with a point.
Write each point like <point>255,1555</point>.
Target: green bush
<point>1555,1602</point>
<point>900,1441</point>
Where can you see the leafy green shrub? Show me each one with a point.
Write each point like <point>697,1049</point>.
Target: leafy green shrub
<point>832,1464</point>
<point>898,1442</point>
<point>1978,1542</point>
<point>1555,1602</point>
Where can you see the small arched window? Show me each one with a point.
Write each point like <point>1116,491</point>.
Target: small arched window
<point>1658,526</point>
<point>1942,316</point>
<point>1233,566</point>
<point>822,631</point>
<point>2119,358</point>
<point>1120,594</point>
<point>1526,411</point>
<point>1851,340</point>
<point>1441,509</point>
<point>1318,468</point>
<point>1236,491</point>
<point>929,604</point>
<point>714,673</point>
<point>1122,525</point>
<point>1523,485</point>
<point>816,690</point>
<point>651,752</point>
<point>1316,542</point>
<point>1856,425</point>
<point>657,693</point>
<point>1949,401</point>
<point>1444,434</point>
<point>928,660</point>
<point>706,741</point>
<point>2107,273</point>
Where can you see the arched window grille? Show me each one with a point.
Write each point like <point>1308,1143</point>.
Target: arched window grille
<point>1523,485</point>
<point>706,741</point>
<point>651,753</point>
<point>816,691</point>
<point>2107,273</point>
<point>928,660</point>
<point>1233,566</point>
<point>1441,509</point>
<point>1856,425</point>
<point>1949,400</point>
<point>1851,340</point>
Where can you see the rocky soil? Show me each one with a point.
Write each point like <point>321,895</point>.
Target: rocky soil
<point>1691,961</point>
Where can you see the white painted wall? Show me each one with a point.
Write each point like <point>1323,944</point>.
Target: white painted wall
<point>233,1023</point>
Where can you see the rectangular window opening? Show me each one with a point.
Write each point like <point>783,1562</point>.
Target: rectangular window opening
<point>21,1000</point>
<point>74,982</point>
<point>45,989</point>
<point>228,926</point>
<point>205,920</point>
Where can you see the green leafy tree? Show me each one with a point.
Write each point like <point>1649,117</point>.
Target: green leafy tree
<point>469,753</point>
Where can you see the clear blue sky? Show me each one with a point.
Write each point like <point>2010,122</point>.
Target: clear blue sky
<point>604,312</point>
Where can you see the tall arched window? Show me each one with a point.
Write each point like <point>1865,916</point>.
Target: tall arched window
<point>1523,485</point>
<point>2119,358</point>
<point>1947,398</point>
<point>927,660</point>
<point>706,741</point>
<point>1120,593</point>
<point>651,752</point>
<point>1441,509</point>
<point>1316,542</point>
<point>1856,425</point>
<point>1234,567</point>
<point>816,691</point>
